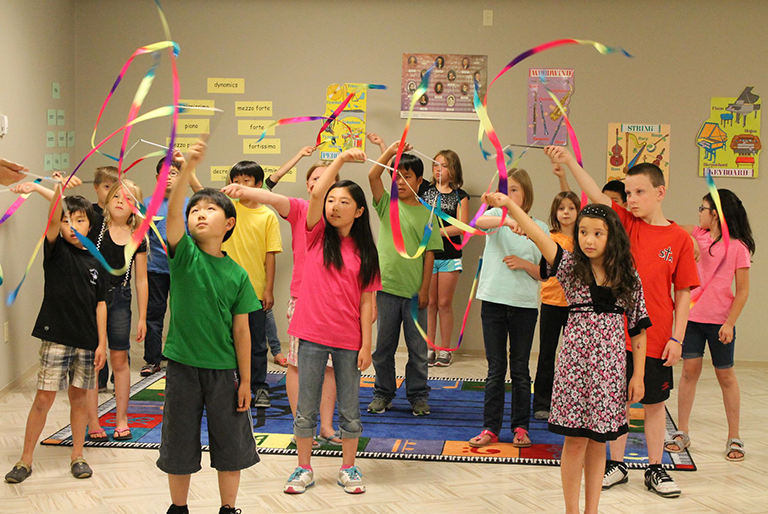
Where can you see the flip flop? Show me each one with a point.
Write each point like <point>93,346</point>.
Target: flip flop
<point>330,440</point>
<point>122,434</point>
<point>477,444</point>
<point>521,435</point>
<point>98,435</point>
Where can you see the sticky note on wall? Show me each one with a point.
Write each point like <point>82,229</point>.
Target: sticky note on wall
<point>254,127</point>
<point>191,104</point>
<point>219,173</point>
<point>266,146</point>
<point>219,85</point>
<point>196,126</point>
<point>263,108</point>
<point>290,175</point>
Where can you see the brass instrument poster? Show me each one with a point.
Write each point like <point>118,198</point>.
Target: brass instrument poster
<point>634,143</point>
<point>544,119</point>
<point>729,141</point>
<point>450,95</point>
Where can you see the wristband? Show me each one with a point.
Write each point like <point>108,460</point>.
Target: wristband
<point>675,340</point>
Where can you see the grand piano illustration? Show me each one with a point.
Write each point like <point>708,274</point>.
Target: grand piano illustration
<point>744,104</point>
<point>711,138</point>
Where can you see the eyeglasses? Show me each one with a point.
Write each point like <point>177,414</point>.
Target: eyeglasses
<point>702,208</point>
<point>172,174</point>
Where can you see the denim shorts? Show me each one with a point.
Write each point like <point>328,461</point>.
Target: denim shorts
<point>119,318</point>
<point>446,266</point>
<point>697,335</point>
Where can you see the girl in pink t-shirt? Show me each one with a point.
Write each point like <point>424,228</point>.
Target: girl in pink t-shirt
<point>341,273</point>
<point>714,313</point>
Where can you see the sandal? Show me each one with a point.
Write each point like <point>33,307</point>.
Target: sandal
<point>475,441</point>
<point>98,435</point>
<point>332,440</point>
<point>122,434</point>
<point>735,446</point>
<point>680,441</point>
<point>315,443</point>
<point>281,360</point>
<point>521,439</point>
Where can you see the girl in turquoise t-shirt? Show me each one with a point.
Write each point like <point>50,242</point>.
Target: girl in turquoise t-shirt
<point>509,290</point>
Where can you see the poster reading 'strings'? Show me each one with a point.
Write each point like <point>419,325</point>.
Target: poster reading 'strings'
<point>451,85</point>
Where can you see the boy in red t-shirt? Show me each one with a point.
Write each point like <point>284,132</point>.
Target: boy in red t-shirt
<point>663,254</point>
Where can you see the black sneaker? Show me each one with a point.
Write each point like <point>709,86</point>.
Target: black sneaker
<point>615,473</point>
<point>19,473</point>
<point>80,468</point>
<point>175,509</point>
<point>226,509</point>
<point>658,481</point>
<point>261,400</point>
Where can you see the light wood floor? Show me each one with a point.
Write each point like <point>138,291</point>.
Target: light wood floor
<point>127,481</point>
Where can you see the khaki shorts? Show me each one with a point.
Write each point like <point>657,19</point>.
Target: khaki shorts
<point>61,366</point>
<point>293,342</point>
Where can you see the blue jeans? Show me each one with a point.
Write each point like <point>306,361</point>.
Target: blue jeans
<point>159,285</point>
<point>118,325</point>
<point>313,358</point>
<point>272,339</point>
<point>500,321</point>
<point>394,311</point>
<point>256,322</point>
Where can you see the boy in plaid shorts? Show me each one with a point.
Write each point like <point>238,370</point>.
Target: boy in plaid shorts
<point>72,325</point>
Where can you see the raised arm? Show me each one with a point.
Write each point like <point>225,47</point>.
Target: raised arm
<point>55,214</point>
<point>559,172</point>
<point>547,247</point>
<point>194,182</point>
<point>285,168</point>
<point>374,176</point>
<point>174,225</point>
<point>324,183</point>
<point>282,204</point>
<point>559,155</point>
<point>377,140</point>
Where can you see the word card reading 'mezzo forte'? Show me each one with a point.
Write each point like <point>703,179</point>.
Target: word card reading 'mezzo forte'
<point>266,146</point>
<point>216,85</point>
<point>190,107</point>
<point>253,108</point>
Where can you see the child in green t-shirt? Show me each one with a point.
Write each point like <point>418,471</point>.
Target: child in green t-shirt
<point>401,280</point>
<point>208,345</point>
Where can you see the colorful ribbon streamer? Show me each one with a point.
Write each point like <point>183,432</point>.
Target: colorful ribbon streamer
<point>15,205</point>
<point>298,119</point>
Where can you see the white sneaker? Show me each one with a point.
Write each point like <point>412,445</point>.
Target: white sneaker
<point>615,473</point>
<point>299,480</point>
<point>658,481</point>
<point>351,479</point>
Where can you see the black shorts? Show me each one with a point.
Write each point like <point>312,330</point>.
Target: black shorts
<point>230,433</point>
<point>659,380</point>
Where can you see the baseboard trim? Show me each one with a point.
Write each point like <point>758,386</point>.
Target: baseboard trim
<point>18,381</point>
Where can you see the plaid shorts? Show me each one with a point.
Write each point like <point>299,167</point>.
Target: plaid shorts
<point>293,342</point>
<point>62,365</point>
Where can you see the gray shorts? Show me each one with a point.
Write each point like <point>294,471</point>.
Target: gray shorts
<point>230,433</point>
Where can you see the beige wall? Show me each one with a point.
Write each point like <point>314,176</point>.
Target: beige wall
<point>38,48</point>
<point>288,52</point>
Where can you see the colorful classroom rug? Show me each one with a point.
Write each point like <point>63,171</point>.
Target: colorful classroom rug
<point>457,413</point>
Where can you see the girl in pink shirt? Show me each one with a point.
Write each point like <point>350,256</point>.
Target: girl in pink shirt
<point>714,313</point>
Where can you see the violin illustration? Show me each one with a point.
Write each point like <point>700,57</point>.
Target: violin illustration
<point>657,160</point>
<point>616,159</point>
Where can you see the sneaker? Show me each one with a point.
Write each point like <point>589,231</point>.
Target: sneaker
<point>379,405</point>
<point>299,480</point>
<point>431,356</point>
<point>226,509</point>
<point>443,359</point>
<point>175,509</point>
<point>261,400</point>
<point>541,414</point>
<point>658,481</point>
<point>615,473</point>
<point>420,408</point>
<point>149,369</point>
<point>19,473</point>
<point>351,479</point>
<point>80,468</point>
